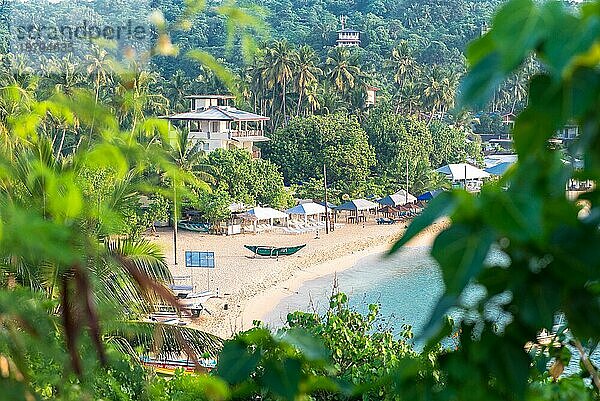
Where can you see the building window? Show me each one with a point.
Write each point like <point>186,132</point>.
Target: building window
<point>214,126</point>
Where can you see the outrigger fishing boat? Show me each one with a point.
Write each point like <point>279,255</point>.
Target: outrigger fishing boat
<point>167,367</point>
<point>272,251</point>
<point>191,226</point>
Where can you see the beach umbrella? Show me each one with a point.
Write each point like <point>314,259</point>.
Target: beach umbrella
<point>430,194</point>
<point>462,171</point>
<point>499,168</point>
<point>387,210</point>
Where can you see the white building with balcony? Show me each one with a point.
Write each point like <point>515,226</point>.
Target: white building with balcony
<point>347,36</point>
<point>212,121</point>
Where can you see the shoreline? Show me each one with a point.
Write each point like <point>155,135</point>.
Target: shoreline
<point>250,288</point>
<point>262,304</point>
<point>259,306</point>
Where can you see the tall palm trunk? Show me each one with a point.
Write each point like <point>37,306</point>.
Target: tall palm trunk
<point>300,98</point>
<point>62,141</point>
<point>283,101</point>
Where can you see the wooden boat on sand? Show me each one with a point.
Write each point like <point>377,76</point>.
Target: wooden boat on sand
<point>191,226</point>
<point>167,367</point>
<point>272,251</point>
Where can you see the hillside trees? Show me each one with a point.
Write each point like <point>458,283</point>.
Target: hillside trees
<point>453,145</point>
<point>247,180</point>
<point>337,140</point>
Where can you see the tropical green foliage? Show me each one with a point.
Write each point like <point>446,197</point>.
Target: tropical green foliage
<point>247,180</point>
<point>408,148</point>
<point>549,265</point>
<point>69,282</point>
<point>338,141</point>
<point>74,274</point>
<point>454,145</point>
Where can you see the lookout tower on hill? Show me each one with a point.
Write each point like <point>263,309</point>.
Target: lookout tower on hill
<point>347,36</point>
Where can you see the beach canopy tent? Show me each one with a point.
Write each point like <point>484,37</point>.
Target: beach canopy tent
<point>307,209</point>
<point>429,194</point>
<point>357,205</point>
<point>329,205</point>
<point>263,213</point>
<point>499,168</point>
<point>462,171</point>
<point>397,199</point>
<point>402,194</point>
<point>238,207</point>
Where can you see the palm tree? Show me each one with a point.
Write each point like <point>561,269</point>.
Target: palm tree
<point>77,257</point>
<point>439,91</point>
<point>177,87</point>
<point>404,68</point>
<point>306,72</point>
<point>313,95</point>
<point>281,61</point>
<point>62,76</point>
<point>134,98</point>
<point>257,73</point>
<point>343,72</point>
<point>98,69</point>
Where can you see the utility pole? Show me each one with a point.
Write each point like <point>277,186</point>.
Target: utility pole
<point>406,194</point>
<point>326,206</point>
<point>174,207</point>
<point>174,222</point>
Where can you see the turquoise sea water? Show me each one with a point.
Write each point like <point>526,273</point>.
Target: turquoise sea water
<point>406,285</point>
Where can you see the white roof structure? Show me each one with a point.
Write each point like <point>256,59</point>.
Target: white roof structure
<point>493,160</point>
<point>462,171</point>
<point>358,204</point>
<point>398,198</point>
<point>218,113</point>
<point>263,213</point>
<point>309,209</point>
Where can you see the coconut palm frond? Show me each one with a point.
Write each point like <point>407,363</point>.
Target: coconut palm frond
<point>165,340</point>
<point>146,256</point>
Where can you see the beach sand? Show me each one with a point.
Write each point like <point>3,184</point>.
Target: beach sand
<point>249,288</point>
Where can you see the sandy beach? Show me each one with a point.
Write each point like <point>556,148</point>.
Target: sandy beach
<point>249,288</point>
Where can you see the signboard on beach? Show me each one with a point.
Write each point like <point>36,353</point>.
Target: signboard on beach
<point>200,259</point>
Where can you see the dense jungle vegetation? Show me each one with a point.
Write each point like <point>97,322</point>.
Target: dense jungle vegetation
<point>81,144</point>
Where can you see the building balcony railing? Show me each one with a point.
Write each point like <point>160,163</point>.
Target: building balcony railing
<point>244,133</point>
<point>229,134</point>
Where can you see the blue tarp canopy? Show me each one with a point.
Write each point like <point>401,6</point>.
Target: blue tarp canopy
<point>329,205</point>
<point>429,194</point>
<point>499,168</point>
<point>310,208</point>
